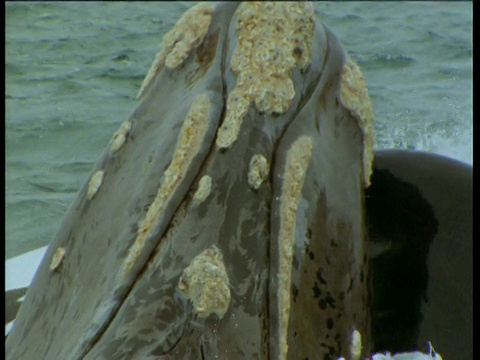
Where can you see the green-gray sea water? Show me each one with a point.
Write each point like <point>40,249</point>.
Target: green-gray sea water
<point>73,70</point>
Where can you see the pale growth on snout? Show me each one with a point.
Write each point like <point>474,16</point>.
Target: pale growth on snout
<point>187,34</point>
<point>272,40</point>
<point>57,259</point>
<point>120,136</point>
<point>205,282</point>
<point>298,159</point>
<point>354,96</point>
<point>94,184</point>
<point>190,139</point>
<point>203,189</point>
<point>258,171</point>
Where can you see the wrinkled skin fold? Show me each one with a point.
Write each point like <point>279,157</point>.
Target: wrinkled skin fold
<point>226,217</point>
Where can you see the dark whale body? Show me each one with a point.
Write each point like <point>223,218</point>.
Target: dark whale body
<point>417,202</point>
<point>419,214</point>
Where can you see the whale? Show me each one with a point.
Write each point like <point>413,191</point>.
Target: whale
<point>419,211</point>
<point>239,211</point>
<point>419,181</point>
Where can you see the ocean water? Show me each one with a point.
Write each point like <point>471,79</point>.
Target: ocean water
<point>73,70</point>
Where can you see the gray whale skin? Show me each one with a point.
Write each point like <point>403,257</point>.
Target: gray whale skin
<point>238,213</point>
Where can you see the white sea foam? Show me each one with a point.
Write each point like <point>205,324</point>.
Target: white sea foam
<point>416,355</point>
<point>460,148</point>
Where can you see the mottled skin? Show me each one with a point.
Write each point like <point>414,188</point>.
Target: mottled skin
<point>96,307</point>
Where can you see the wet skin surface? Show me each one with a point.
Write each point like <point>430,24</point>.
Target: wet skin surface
<point>183,242</point>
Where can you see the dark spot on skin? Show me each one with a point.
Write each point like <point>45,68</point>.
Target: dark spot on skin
<point>310,254</point>
<point>327,259</point>
<point>316,291</point>
<point>295,334</point>
<point>322,304</point>
<point>320,277</point>
<point>308,233</point>
<point>294,292</point>
<point>341,295</point>
<point>330,323</point>
<point>333,243</point>
<point>330,300</point>
<point>295,263</point>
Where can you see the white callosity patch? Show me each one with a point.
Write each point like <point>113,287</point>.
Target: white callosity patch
<point>272,39</point>
<point>354,96</point>
<point>205,282</point>
<point>94,184</point>
<point>57,259</point>
<point>257,171</point>
<point>192,135</point>
<point>356,345</point>
<point>238,104</point>
<point>187,34</point>
<point>120,136</point>
<point>203,189</point>
<point>298,158</point>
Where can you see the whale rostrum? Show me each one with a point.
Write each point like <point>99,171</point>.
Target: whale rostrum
<point>226,217</point>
